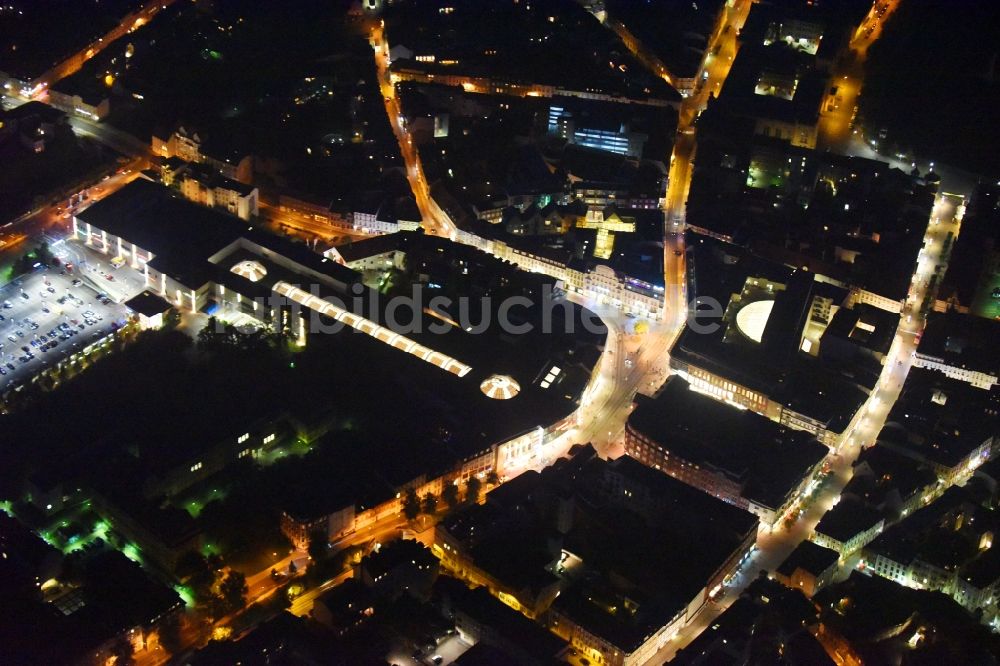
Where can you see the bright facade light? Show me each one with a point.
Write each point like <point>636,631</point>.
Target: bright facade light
<point>372,329</point>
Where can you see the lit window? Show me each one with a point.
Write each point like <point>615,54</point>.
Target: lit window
<point>242,438</point>
<point>269,438</point>
<point>195,467</point>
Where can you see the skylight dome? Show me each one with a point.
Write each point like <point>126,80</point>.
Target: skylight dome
<point>752,319</point>
<point>500,387</point>
<point>251,270</point>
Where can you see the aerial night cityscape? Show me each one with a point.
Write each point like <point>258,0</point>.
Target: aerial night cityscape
<point>499,332</point>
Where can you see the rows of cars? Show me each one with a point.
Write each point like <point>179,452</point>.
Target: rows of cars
<point>61,308</point>
<point>50,340</point>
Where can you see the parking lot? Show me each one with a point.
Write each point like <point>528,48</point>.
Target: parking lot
<point>120,284</point>
<point>47,316</point>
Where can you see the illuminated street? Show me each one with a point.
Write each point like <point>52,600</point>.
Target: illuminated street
<point>837,123</point>
<point>307,228</point>
<point>780,446</point>
<point>773,548</point>
<point>75,61</point>
<point>434,220</point>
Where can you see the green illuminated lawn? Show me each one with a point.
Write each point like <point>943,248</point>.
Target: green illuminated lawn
<point>983,304</point>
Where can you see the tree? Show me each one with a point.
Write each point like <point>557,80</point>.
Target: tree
<point>493,478</point>
<point>44,253</point>
<point>122,651</point>
<point>195,569</point>
<point>292,568</point>
<point>209,333</point>
<point>283,599</point>
<point>232,592</point>
<point>450,495</point>
<point>219,337</point>
<point>319,545</point>
<point>472,490</point>
<point>172,318</point>
<point>170,633</point>
<point>430,504</point>
<point>411,504</point>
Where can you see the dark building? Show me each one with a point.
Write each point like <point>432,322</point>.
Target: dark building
<point>735,455</point>
<point>766,624</point>
<point>809,568</point>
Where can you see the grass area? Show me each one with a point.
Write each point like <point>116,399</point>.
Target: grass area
<point>984,304</point>
<point>198,497</point>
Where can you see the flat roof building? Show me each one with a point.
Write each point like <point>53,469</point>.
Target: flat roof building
<point>848,526</point>
<point>943,421</point>
<point>764,353</point>
<point>809,568</point>
<point>736,455</point>
<point>149,307</point>
<point>778,87</point>
<point>962,347</point>
<point>603,535</point>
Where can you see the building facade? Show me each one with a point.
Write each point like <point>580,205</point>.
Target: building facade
<point>189,146</point>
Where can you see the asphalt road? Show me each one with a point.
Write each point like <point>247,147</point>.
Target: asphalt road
<point>120,284</point>
<point>774,547</point>
<point>433,218</point>
<point>75,61</point>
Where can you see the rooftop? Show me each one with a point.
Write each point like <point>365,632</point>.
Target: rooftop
<point>831,393</point>
<point>953,533</point>
<point>184,236</point>
<point>40,34</point>
<point>396,553</point>
<point>939,419</point>
<point>147,304</point>
<point>800,87</point>
<point>868,610</point>
<point>529,44</point>
<point>114,596</point>
<point>211,178</point>
<point>767,460</point>
<point>847,519</point>
<point>627,519</point>
<point>880,470</point>
<point>809,557</point>
<point>23,556</point>
<point>864,327</point>
<point>347,602</point>
<point>855,221</point>
<point>962,341</point>
<point>509,625</point>
<point>768,622</point>
<point>33,109</point>
<point>677,32</point>
<point>967,283</point>
<point>814,28</point>
<point>637,515</point>
<point>180,234</point>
